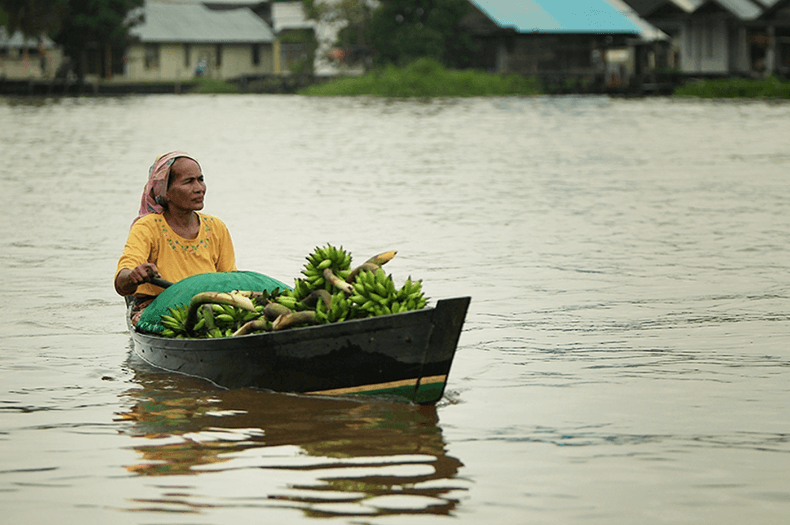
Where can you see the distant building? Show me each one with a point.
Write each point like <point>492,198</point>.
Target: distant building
<point>28,58</point>
<point>558,38</point>
<point>179,41</point>
<point>777,29</point>
<point>724,37</point>
<point>296,42</point>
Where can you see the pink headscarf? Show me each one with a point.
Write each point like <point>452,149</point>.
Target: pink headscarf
<point>153,199</point>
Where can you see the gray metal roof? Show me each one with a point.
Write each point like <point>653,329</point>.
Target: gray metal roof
<point>290,15</point>
<point>196,23</point>
<point>18,41</point>
<point>776,6</point>
<point>743,9</point>
<point>644,6</point>
<point>767,3</point>
<point>224,3</point>
<point>647,31</point>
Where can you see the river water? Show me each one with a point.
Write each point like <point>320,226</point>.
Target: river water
<point>624,359</point>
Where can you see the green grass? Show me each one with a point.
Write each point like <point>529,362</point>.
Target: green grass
<point>426,78</point>
<point>770,87</point>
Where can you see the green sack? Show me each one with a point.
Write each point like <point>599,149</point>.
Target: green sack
<point>182,292</point>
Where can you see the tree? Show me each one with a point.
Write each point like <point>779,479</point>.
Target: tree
<point>77,25</point>
<point>33,18</point>
<point>351,19</point>
<point>100,25</point>
<point>402,31</point>
<point>399,31</point>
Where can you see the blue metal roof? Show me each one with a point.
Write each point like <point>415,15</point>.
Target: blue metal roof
<point>558,16</point>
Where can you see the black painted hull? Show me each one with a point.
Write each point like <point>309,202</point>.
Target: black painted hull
<point>406,356</point>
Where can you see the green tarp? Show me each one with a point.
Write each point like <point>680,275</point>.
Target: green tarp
<point>181,293</point>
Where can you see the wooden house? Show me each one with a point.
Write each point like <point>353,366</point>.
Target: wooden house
<point>296,44</point>
<point>178,41</point>
<point>557,38</point>
<point>715,38</point>
<point>670,17</point>
<point>28,58</point>
<point>776,38</point>
<point>724,37</point>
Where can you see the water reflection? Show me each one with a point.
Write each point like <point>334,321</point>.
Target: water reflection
<point>324,456</point>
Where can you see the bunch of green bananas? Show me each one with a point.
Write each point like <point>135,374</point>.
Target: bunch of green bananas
<point>211,314</point>
<point>336,310</point>
<point>329,292</point>
<point>222,320</point>
<point>375,294</point>
<point>324,268</point>
<point>175,323</point>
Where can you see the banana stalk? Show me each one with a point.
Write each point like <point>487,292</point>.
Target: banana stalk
<point>232,299</point>
<point>252,326</point>
<point>364,267</point>
<point>337,282</point>
<point>274,310</point>
<point>292,319</point>
<point>382,258</point>
<point>316,295</point>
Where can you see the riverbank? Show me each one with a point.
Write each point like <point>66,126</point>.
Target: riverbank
<point>424,78</point>
<point>427,78</point>
<point>770,87</point>
<point>421,79</point>
<point>70,87</point>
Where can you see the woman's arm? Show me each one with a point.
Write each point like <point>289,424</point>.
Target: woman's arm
<point>127,281</point>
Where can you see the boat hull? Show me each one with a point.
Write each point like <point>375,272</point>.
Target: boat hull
<point>405,356</point>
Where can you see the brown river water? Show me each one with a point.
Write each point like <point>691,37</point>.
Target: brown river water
<point>625,358</point>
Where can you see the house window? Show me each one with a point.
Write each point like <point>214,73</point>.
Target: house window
<point>219,55</point>
<point>152,56</point>
<point>187,55</point>
<point>256,54</point>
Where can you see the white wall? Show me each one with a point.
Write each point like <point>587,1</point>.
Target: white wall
<point>236,61</point>
<point>705,45</point>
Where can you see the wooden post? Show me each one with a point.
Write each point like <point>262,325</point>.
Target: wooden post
<point>770,53</point>
<point>107,62</point>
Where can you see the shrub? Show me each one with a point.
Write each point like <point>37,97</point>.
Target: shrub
<point>427,78</point>
<point>770,87</point>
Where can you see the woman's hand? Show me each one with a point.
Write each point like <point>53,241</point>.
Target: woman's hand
<point>127,281</point>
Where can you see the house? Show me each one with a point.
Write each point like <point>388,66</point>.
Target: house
<point>178,41</point>
<point>715,38</point>
<point>296,43</point>
<point>724,37</point>
<point>669,16</point>
<point>28,58</point>
<point>557,38</point>
<point>776,18</point>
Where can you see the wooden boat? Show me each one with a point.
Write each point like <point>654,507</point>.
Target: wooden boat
<point>406,356</point>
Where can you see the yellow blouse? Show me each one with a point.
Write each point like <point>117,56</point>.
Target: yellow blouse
<point>152,240</point>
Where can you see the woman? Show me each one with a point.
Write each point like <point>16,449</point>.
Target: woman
<point>169,238</point>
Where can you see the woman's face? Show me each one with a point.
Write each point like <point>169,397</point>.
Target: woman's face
<point>186,189</point>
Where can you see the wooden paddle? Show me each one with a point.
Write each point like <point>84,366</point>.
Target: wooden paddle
<point>162,283</point>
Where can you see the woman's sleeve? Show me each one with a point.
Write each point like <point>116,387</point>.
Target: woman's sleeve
<point>138,249</point>
<point>226,261</point>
